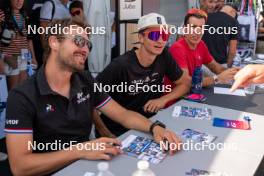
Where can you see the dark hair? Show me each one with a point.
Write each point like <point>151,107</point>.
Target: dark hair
<point>262,13</point>
<point>76,4</point>
<point>188,16</point>
<point>233,6</point>
<point>9,22</point>
<point>67,22</point>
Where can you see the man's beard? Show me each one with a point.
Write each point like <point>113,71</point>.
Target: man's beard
<point>66,64</point>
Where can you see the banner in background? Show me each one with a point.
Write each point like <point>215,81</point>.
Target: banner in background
<point>130,9</point>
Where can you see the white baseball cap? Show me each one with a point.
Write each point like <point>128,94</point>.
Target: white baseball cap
<point>152,20</point>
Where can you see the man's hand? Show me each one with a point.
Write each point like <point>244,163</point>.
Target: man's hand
<point>107,147</point>
<point>227,75</point>
<point>248,75</point>
<point>162,135</point>
<point>154,105</point>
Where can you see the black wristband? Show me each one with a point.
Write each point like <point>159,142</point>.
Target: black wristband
<point>156,123</point>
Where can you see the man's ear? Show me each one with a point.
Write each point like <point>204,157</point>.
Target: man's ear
<point>140,38</point>
<point>53,42</point>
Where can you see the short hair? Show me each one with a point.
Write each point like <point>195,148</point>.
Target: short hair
<point>76,4</point>
<point>233,6</point>
<point>188,16</point>
<point>62,23</point>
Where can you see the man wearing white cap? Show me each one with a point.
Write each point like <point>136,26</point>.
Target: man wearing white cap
<point>142,70</point>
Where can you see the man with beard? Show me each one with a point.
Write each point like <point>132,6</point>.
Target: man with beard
<point>49,116</point>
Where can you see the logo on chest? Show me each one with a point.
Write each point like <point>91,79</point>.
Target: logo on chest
<point>50,108</point>
<point>82,98</point>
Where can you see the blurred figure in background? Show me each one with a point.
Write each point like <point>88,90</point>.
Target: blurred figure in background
<point>219,5</point>
<point>76,9</point>
<point>51,10</point>
<point>208,5</point>
<point>223,44</point>
<point>15,47</point>
<point>2,19</point>
<point>260,41</point>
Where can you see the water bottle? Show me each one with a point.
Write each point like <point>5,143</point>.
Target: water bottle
<point>103,169</point>
<point>197,80</point>
<point>143,169</point>
<point>237,61</point>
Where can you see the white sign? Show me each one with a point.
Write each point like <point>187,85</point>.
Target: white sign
<point>130,9</point>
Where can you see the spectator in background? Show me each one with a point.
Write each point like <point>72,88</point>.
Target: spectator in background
<point>2,19</point>
<point>208,6</point>
<point>223,46</point>
<point>219,5</point>
<point>76,9</point>
<point>60,9</point>
<point>260,41</point>
<point>15,46</point>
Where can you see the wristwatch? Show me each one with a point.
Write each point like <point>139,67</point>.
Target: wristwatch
<point>156,123</point>
<point>216,80</point>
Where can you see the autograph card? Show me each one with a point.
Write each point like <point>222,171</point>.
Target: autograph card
<point>196,136</point>
<point>192,112</point>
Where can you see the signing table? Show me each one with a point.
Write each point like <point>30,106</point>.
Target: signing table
<point>244,161</point>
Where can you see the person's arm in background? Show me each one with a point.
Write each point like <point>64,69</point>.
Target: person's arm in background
<point>250,74</point>
<point>223,75</point>
<point>2,19</point>
<point>1,65</point>
<point>232,49</point>
<point>31,47</point>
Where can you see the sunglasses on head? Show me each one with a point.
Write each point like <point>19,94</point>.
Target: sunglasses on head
<point>77,12</point>
<point>155,35</point>
<point>80,41</point>
<point>197,12</point>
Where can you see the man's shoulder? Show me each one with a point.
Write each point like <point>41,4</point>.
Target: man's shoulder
<point>85,76</point>
<point>201,47</point>
<point>178,45</point>
<point>215,17</point>
<point>124,59</point>
<point>28,88</point>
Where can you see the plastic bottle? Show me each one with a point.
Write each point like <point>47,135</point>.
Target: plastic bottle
<point>103,168</point>
<point>143,169</point>
<point>197,80</point>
